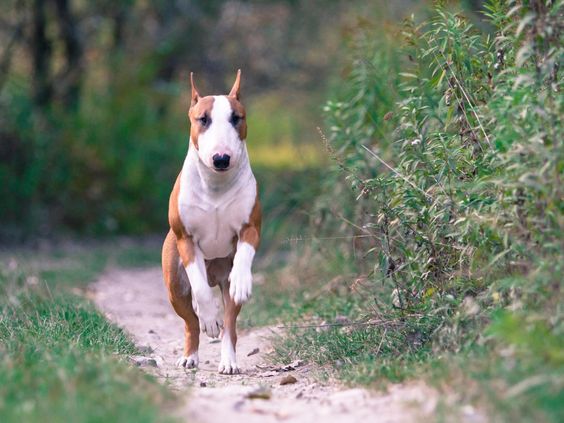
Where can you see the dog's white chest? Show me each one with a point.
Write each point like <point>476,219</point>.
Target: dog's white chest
<point>215,221</point>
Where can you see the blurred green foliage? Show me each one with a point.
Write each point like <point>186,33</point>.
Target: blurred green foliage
<point>93,101</point>
<point>105,167</point>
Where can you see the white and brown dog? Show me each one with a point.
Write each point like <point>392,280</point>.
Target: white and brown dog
<point>215,218</point>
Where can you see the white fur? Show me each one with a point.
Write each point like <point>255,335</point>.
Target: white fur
<point>241,277</point>
<point>205,305</point>
<point>188,361</point>
<point>221,137</point>
<point>228,363</point>
<point>213,207</point>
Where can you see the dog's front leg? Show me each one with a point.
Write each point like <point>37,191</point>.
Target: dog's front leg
<point>241,278</point>
<point>204,303</point>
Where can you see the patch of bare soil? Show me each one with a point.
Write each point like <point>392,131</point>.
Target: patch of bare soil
<point>137,301</point>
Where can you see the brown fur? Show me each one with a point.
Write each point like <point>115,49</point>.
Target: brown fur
<point>180,301</point>
<point>201,108</point>
<point>239,110</point>
<point>250,232</point>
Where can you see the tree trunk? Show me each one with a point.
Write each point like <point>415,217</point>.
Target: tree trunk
<point>72,75</point>
<point>41,56</point>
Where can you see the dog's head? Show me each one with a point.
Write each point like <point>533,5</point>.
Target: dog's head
<point>218,127</point>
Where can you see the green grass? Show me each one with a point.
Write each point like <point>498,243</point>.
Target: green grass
<point>508,363</point>
<point>323,306</point>
<point>60,359</point>
<point>502,352</point>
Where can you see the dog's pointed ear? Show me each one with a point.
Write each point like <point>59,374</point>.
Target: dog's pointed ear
<point>195,93</point>
<point>235,91</point>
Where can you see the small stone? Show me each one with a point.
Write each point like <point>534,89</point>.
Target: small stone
<point>203,384</point>
<point>152,331</point>
<point>146,349</point>
<point>288,380</point>
<point>142,361</point>
<point>342,320</point>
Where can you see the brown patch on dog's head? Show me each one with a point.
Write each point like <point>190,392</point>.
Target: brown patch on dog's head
<point>199,112</point>
<point>239,117</point>
<point>200,117</point>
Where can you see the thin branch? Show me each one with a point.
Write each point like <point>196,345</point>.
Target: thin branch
<point>328,325</point>
<point>395,171</point>
<point>300,238</point>
<point>464,94</point>
<point>381,341</point>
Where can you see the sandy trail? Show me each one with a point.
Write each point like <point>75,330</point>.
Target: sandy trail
<point>136,300</point>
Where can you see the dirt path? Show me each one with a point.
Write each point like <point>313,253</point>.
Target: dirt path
<point>136,300</point>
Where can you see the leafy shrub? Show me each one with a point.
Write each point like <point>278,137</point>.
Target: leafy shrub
<point>449,214</point>
<point>457,183</point>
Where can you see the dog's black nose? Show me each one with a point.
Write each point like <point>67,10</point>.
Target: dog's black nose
<point>221,162</point>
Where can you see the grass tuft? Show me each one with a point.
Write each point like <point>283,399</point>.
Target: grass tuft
<point>60,359</point>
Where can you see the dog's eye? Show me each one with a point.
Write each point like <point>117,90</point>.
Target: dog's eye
<point>203,120</point>
<point>235,119</point>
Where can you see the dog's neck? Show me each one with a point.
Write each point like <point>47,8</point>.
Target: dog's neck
<point>212,182</point>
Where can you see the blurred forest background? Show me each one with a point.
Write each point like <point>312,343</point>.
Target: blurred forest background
<point>93,103</point>
<point>93,97</point>
<point>426,213</point>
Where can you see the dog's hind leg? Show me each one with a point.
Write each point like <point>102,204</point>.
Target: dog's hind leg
<point>180,297</point>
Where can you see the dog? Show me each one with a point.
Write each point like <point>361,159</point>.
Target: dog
<point>215,222</point>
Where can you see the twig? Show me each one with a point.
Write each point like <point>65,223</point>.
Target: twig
<point>325,325</point>
<point>381,341</point>
<point>465,96</point>
<point>532,382</point>
<point>395,171</point>
<point>300,238</point>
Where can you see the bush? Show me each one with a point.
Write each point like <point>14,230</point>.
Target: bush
<point>451,207</point>
<point>457,183</point>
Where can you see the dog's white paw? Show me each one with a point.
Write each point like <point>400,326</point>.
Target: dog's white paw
<point>241,284</point>
<point>189,362</point>
<point>228,367</point>
<point>211,327</point>
<point>208,314</point>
